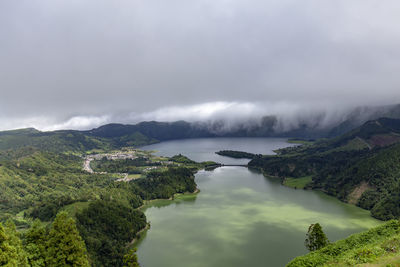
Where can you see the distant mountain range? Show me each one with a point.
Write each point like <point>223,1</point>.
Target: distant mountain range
<point>120,135</point>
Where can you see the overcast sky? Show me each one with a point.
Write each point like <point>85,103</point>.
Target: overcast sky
<point>81,63</point>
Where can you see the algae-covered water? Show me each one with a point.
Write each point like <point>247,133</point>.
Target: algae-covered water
<point>241,218</point>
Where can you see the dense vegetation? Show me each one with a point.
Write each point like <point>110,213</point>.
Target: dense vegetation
<point>41,175</point>
<point>182,159</point>
<point>131,166</point>
<point>57,245</point>
<point>36,183</point>
<point>106,227</point>
<point>165,184</point>
<point>236,154</point>
<point>41,182</point>
<point>58,141</point>
<point>379,245</point>
<point>361,167</point>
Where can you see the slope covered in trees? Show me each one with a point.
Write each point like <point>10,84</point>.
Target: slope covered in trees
<point>361,167</point>
<point>115,136</point>
<point>107,227</point>
<point>236,154</point>
<point>39,184</point>
<point>57,245</point>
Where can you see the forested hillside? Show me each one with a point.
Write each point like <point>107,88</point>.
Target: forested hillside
<point>360,167</point>
<point>43,178</point>
<point>114,136</point>
<point>99,208</point>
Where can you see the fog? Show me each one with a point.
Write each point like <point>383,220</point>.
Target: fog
<point>77,64</point>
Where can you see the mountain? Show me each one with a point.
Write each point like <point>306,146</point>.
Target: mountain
<point>57,141</point>
<point>305,126</point>
<point>360,115</point>
<point>122,135</point>
<point>111,136</point>
<point>360,167</point>
<point>152,130</point>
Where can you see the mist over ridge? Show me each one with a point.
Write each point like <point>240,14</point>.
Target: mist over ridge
<point>81,64</point>
<point>234,119</point>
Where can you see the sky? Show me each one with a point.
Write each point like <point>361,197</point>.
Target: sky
<point>78,64</point>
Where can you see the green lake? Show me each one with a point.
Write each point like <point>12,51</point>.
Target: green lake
<point>240,218</point>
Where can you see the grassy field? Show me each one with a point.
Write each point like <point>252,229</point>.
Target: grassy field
<point>177,198</point>
<point>298,183</point>
<point>134,176</point>
<point>299,141</point>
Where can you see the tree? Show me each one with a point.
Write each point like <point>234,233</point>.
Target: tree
<point>65,246</point>
<point>130,259</point>
<point>315,238</point>
<point>107,227</point>
<point>35,245</point>
<point>11,251</point>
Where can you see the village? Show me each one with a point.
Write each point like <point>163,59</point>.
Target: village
<point>123,155</point>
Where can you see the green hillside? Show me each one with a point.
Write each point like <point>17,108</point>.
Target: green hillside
<point>58,141</point>
<point>36,184</point>
<point>360,167</point>
<point>379,246</point>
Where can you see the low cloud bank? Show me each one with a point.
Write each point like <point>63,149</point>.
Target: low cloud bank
<point>219,117</point>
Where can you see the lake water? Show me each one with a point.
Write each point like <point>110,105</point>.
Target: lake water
<point>240,218</point>
<point>203,149</point>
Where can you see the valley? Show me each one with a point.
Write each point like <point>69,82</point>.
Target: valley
<point>240,217</point>
<point>219,133</point>
<point>100,179</point>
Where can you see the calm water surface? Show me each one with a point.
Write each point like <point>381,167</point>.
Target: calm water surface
<point>240,218</point>
<point>204,149</point>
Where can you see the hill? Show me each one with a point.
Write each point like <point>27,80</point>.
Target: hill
<point>379,246</point>
<point>360,167</point>
<point>111,136</point>
<point>57,141</point>
<point>115,136</point>
<point>36,185</point>
<point>151,131</point>
<point>122,135</point>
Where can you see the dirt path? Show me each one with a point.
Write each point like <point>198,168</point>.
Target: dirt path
<point>86,165</point>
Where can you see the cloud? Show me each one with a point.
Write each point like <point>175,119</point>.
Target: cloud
<point>228,114</point>
<point>62,59</point>
<point>201,112</point>
<point>46,123</point>
<point>79,123</point>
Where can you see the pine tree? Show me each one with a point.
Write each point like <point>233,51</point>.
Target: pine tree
<point>11,251</point>
<point>315,238</point>
<point>130,259</point>
<point>65,246</point>
<point>35,245</point>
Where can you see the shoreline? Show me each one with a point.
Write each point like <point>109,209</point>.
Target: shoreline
<point>139,235</point>
<point>281,180</point>
<point>151,202</point>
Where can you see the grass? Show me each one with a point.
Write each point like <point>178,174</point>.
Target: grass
<point>379,246</point>
<point>134,176</point>
<point>386,261</point>
<point>179,197</point>
<point>299,141</point>
<point>298,183</point>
